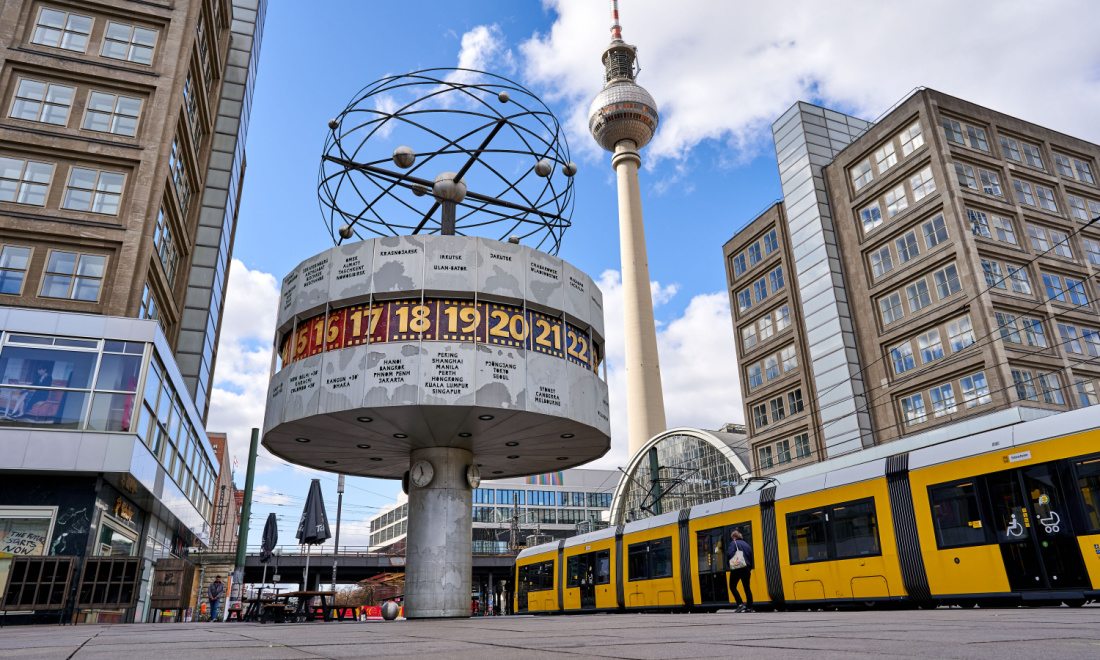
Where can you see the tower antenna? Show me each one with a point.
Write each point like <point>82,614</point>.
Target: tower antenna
<point>616,29</point>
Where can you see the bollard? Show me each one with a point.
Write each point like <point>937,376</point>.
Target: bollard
<point>390,610</point>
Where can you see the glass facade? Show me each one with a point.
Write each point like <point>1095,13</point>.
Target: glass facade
<point>691,471</point>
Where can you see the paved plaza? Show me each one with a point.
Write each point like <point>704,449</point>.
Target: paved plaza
<point>944,633</point>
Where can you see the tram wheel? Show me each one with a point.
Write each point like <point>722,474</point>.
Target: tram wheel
<point>1075,602</point>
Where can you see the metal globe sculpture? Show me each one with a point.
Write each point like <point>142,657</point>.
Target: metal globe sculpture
<point>399,155</point>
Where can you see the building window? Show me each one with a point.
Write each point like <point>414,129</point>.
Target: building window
<point>790,361</point>
<point>880,262</point>
<point>947,281</point>
<point>180,180</point>
<point>1052,389</point>
<point>911,139</point>
<point>760,416</point>
<point>886,157</point>
<point>1033,332</point>
<point>891,308</point>
<point>1031,155</point>
<point>862,175</point>
<point>960,334</point>
<point>917,292</point>
<point>766,328</point>
<point>1003,230</point>
<point>953,131</point>
<point>1018,276</point>
<point>991,183</point>
<point>1076,291</point>
<point>1011,149</point>
<point>922,184</point>
<point>1046,199</point>
<point>755,377</point>
<point>977,138</point>
<point>748,336</point>
<point>896,201</point>
<point>783,451</point>
<point>739,265</point>
<point>902,357</point>
<point>912,410</point>
<point>74,276</point>
<point>935,232</point>
<point>1023,192</point>
<point>1039,241</point>
<point>14,260</point>
<point>1092,250</point>
<point>943,400</point>
<point>1086,393</point>
<point>1084,172</point>
<point>794,401</point>
<point>149,308</point>
<point>760,289</point>
<point>1070,342</point>
<point>744,300</point>
<point>165,245</point>
<point>1077,207</point>
<point>1025,385</point>
<point>129,43</point>
<point>907,247</point>
<point>1053,285</point>
<point>1010,332</point>
<point>24,182</point>
<point>993,276</point>
<point>42,102</point>
<point>979,223</point>
<point>1094,209</point>
<point>965,174</point>
<point>777,410</point>
<point>802,445</point>
<point>93,190</point>
<point>871,216</point>
<point>771,367</point>
<point>771,243</point>
<point>108,113</point>
<point>975,390</point>
<point>764,457</point>
<point>1063,165</point>
<point>776,277</point>
<point>930,346</point>
<point>59,29</point>
<point>754,254</point>
<point>782,318</point>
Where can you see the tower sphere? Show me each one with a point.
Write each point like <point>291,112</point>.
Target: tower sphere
<point>623,110</point>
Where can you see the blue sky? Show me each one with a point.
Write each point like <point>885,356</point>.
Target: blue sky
<point>720,72</point>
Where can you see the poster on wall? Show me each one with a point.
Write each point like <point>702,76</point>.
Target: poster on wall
<point>22,537</point>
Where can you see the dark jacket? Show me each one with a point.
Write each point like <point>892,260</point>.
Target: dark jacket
<point>745,548</point>
<point>216,590</point>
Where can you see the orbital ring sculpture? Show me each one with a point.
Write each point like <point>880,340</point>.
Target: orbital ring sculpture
<point>509,165</point>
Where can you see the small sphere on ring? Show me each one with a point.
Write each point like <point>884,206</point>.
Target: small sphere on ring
<point>404,157</point>
<point>513,239</point>
<point>569,169</point>
<point>334,124</point>
<point>543,168</point>
<point>419,190</point>
<point>346,231</point>
<point>503,97</point>
<point>449,190</point>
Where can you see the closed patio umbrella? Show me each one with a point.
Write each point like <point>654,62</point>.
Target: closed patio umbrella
<point>313,527</point>
<point>268,541</point>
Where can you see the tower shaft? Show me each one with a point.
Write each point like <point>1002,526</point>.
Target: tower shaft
<point>645,404</point>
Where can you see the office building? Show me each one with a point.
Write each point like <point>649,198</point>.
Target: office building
<point>121,161</point>
<point>957,244</point>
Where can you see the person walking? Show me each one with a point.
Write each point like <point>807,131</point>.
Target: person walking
<point>739,555</point>
<point>215,593</point>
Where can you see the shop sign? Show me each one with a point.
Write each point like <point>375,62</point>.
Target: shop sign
<point>123,510</point>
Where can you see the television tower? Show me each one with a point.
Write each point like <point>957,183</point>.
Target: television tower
<point>623,119</point>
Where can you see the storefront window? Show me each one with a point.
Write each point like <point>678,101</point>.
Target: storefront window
<point>114,542</point>
<point>23,533</point>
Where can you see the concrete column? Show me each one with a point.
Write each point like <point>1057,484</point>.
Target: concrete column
<point>645,402</point>
<point>439,546</point>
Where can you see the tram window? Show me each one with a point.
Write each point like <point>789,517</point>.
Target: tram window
<point>806,536</point>
<point>711,545</point>
<point>603,567</point>
<point>956,515</point>
<point>855,530</point>
<point>536,577</point>
<point>573,571</point>
<point>650,560</point>
<point>1088,481</point>
<point>1007,503</point>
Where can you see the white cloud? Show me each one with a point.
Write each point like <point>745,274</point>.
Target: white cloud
<point>697,357</point>
<point>725,71</point>
<point>244,359</point>
<point>483,49</point>
<point>264,494</point>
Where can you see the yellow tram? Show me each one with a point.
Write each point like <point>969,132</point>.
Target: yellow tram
<point>1003,517</point>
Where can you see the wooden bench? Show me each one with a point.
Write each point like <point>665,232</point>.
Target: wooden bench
<point>234,615</point>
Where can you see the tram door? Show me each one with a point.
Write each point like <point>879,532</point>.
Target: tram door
<point>1035,530</point>
<point>588,580</point>
<point>711,545</point>
<point>522,587</point>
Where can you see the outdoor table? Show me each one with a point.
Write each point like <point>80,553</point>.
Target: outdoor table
<point>300,610</point>
<point>255,607</point>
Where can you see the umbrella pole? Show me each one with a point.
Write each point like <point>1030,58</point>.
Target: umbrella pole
<point>263,581</point>
<point>305,574</point>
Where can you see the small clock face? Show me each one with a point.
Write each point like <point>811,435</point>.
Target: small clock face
<point>473,476</point>
<point>421,473</point>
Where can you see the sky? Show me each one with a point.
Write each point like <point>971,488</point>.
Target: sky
<point>720,73</point>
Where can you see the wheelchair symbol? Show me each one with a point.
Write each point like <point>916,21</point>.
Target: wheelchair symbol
<point>1014,528</point>
<point>1051,524</point>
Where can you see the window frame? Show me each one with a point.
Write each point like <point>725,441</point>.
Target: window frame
<point>978,499</point>
<point>25,271</point>
<point>87,35</point>
<point>94,191</point>
<point>130,43</point>
<point>113,114</point>
<point>828,523</point>
<point>73,277</point>
<point>15,98</point>
<point>661,543</point>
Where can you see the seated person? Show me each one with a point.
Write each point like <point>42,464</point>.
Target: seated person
<point>25,403</point>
